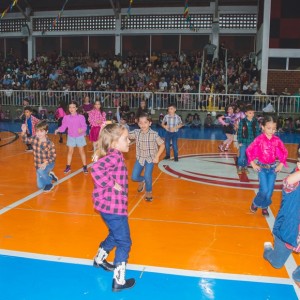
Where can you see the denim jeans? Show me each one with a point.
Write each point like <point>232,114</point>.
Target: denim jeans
<point>171,136</point>
<point>119,236</point>
<point>267,179</point>
<point>43,177</point>
<point>279,255</point>
<point>136,174</point>
<point>242,159</point>
<point>296,274</point>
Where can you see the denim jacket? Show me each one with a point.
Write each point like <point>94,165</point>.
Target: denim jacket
<point>286,226</point>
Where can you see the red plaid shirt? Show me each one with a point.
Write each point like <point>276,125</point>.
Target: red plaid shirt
<point>107,171</point>
<point>42,151</point>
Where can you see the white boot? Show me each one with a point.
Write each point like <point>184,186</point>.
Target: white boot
<point>119,282</point>
<point>100,260</point>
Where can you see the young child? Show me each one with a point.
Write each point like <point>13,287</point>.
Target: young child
<point>97,120</point>
<point>286,228</point>
<point>172,123</point>
<point>44,155</point>
<point>228,127</point>
<point>149,147</point>
<point>266,148</point>
<point>248,130</point>
<point>30,122</point>
<point>76,125</point>
<point>110,197</point>
<point>122,119</point>
<point>59,115</point>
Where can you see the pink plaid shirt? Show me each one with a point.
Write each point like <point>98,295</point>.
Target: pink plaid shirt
<point>107,171</point>
<point>95,116</point>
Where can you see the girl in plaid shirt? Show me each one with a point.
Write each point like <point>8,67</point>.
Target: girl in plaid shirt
<point>110,197</point>
<point>286,229</point>
<point>97,120</point>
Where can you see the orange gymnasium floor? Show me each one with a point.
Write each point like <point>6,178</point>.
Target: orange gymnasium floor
<point>196,240</point>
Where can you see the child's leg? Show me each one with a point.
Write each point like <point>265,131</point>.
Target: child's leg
<point>175,144</point>
<point>261,199</point>
<point>136,172</point>
<point>296,276</point>
<point>167,141</point>
<point>70,155</point>
<point>277,256</point>
<point>271,178</point>
<point>43,177</point>
<point>82,155</point>
<point>148,176</point>
<point>242,160</point>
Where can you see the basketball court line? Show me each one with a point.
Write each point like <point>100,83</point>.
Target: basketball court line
<point>143,268</point>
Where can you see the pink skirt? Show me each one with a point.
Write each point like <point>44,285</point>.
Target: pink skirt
<point>94,134</point>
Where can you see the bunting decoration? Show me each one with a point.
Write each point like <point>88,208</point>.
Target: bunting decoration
<point>9,8</point>
<point>188,17</point>
<point>54,22</point>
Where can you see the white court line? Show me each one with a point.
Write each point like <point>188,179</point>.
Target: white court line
<point>25,199</point>
<point>141,268</point>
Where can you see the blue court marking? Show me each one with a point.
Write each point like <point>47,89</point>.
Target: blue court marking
<point>34,279</point>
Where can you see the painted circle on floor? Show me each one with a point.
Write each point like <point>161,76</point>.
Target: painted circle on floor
<point>218,169</point>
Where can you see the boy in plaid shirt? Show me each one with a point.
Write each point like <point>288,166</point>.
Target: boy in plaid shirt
<point>44,155</point>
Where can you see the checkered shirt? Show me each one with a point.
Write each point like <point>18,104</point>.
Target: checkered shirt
<point>42,151</point>
<point>172,121</point>
<point>146,144</point>
<point>107,171</point>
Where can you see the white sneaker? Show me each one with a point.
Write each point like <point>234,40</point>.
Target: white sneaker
<point>268,245</point>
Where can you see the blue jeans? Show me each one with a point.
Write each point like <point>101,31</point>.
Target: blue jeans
<point>242,159</point>
<point>136,174</point>
<point>43,177</point>
<point>296,274</point>
<point>119,236</point>
<point>171,136</point>
<point>267,179</point>
<point>279,255</point>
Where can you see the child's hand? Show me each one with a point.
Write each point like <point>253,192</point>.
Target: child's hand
<point>117,187</point>
<point>56,131</point>
<point>43,165</point>
<point>95,157</point>
<point>278,168</point>
<point>255,166</point>
<point>80,130</point>
<point>24,128</point>
<point>156,160</point>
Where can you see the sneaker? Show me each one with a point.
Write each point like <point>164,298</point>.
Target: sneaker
<point>85,170</point>
<point>53,176</point>
<point>48,187</point>
<point>226,148</point>
<point>246,170</point>
<point>253,208</point>
<point>149,196</point>
<point>29,150</point>
<point>268,245</point>
<point>221,148</point>
<point>60,141</point>
<point>141,186</point>
<point>167,157</point>
<point>265,212</point>
<point>67,169</point>
<point>176,159</point>
<point>240,170</point>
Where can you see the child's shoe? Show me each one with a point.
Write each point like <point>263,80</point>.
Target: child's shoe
<point>176,159</point>
<point>60,140</point>
<point>100,260</point>
<point>53,176</point>
<point>226,148</point>
<point>119,282</point>
<point>149,196</point>
<point>240,170</point>
<point>253,208</point>
<point>246,170</point>
<point>268,245</point>
<point>85,170</point>
<point>265,212</point>
<point>67,169</point>
<point>48,187</point>
<point>141,186</point>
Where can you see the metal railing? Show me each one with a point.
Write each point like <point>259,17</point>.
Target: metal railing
<point>158,100</point>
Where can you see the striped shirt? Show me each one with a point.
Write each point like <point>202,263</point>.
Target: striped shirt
<point>42,151</point>
<point>172,121</point>
<point>146,144</point>
<point>73,123</point>
<point>107,171</point>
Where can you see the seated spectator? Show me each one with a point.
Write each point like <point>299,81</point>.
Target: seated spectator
<point>196,121</point>
<point>189,120</point>
<point>208,121</point>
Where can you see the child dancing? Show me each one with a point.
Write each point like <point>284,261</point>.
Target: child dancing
<point>266,148</point>
<point>110,197</point>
